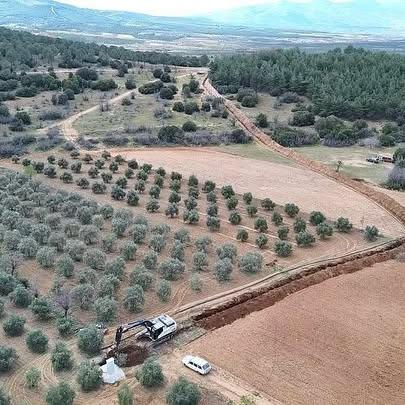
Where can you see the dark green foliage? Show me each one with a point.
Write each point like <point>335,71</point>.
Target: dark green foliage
<point>191,216</point>
<point>304,239</point>
<point>61,394</point>
<point>261,120</point>
<point>37,342</point>
<point>291,210</point>
<point>316,217</point>
<point>290,137</point>
<point>283,248</point>
<point>235,218</point>
<point>276,218</point>
<point>14,325</point>
<point>21,297</point>
<point>89,340</point>
<point>231,202</point>
<point>302,119</point>
<point>324,230</point>
<point>343,225</point>
<point>208,186</point>
<point>41,307</point>
<point>189,126</point>
<point>213,223</point>
<point>242,235</point>
<point>171,134</point>
<point>8,356</point>
<point>212,210</point>
<point>89,376</point>
<point>106,309</point>
<point>251,262</point>
<point>164,290</point>
<point>282,232</point>
<point>261,224</point>
<point>371,233</point>
<point>262,240</point>
<point>150,374</point>
<point>353,75</point>
<point>65,326</point>
<point>268,204</point>
<point>183,392</point>
<point>125,395</point>
<point>227,191</point>
<point>223,269</point>
<point>299,225</point>
<point>227,251</point>
<point>171,269</point>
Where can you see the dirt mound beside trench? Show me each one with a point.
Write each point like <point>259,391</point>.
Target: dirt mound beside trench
<point>267,296</point>
<point>135,354</point>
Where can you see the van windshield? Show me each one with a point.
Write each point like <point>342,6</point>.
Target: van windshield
<point>205,366</point>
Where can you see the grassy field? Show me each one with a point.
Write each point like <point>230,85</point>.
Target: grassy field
<point>254,151</point>
<point>354,160</point>
<point>142,112</point>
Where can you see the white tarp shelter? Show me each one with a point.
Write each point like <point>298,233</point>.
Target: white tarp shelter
<point>111,372</point>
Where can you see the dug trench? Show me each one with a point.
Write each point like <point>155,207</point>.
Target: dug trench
<point>264,297</point>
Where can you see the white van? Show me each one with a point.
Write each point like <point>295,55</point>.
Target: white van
<point>197,364</point>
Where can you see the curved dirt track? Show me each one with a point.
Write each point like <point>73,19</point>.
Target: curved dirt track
<point>388,203</point>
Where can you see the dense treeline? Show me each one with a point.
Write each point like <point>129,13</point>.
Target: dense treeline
<point>21,50</point>
<point>350,83</point>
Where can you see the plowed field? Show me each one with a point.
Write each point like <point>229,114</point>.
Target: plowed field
<point>338,342</point>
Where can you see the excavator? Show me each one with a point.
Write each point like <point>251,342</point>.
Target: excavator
<point>158,330</point>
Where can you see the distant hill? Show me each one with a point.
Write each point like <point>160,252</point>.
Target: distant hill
<point>370,16</point>
<point>355,16</point>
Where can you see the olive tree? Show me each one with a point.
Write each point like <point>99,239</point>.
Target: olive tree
<point>183,392</point>
<point>316,217</point>
<point>60,394</point>
<point>324,230</point>
<point>8,357</point>
<point>28,247</point>
<point>42,308</point>
<point>21,297</point>
<point>261,224</point>
<point>171,269</point>
<point>134,298</point>
<point>82,295</point>
<point>371,233</point>
<point>223,269</point>
<point>227,251</point>
<point>291,210</point>
<point>90,340</point>
<point>61,357</point>
<point>14,325</point>
<point>343,225</point>
<point>89,376</point>
<point>304,239</point>
<point>37,342</point>
<point>164,290</point>
<point>150,374</point>
<point>262,240</point>
<point>105,309</point>
<point>283,248</point>
<point>251,262</point>
<point>213,223</point>
<point>300,225</point>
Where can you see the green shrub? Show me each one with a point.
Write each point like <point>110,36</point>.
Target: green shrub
<point>89,376</point>
<point>261,224</point>
<point>251,262</point>
<point>291,210</point>
<point>150,374</point>
<point>343,225</point>
<point>283,248</point>
<point>21,297</point>
<point>300,225</point>
<point>283,232</point>
<point>61,394</point>
<point>41,307</point>
<point>223,269</point>
<point>371,233</point>
<point>235,218</point>
<point>32,378</point>
<point>37,342</point>
<point>262,240</point>
<point>324,230</point>
<point>61,357</point>
<point>8,357</point>
<point>268,204</point>
<point>242,235</point>
<point>183,392</point>
<point>316,218</point>
<point>164,290</point>
<point>125,395</point>
<point>304,239</point>
<point>134,298</point>
<point>89,340</point>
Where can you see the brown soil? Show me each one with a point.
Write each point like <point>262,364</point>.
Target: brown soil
<point>135,354</point>
<point>282,183</point>
<point>279,288</point>
<point>339,342</point>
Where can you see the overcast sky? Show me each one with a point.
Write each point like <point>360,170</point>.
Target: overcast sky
<point>173,7</point>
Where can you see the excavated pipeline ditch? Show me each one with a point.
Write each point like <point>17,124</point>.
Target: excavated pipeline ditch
<point>240,306</point>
